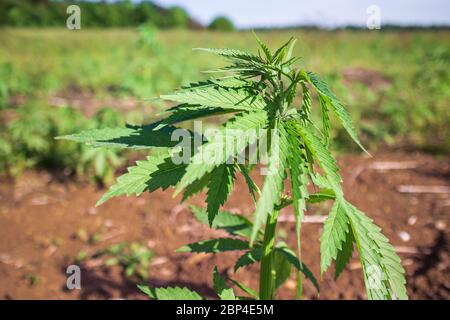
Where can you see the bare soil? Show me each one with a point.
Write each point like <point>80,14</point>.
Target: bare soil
<point>41,215</point>
<point>374,80</point>
<point>86,101</point>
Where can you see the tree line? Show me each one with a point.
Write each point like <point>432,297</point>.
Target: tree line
<point>48,13</point>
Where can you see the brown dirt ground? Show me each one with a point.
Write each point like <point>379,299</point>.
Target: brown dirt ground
<point>372,79</point>
<point>40,214</point>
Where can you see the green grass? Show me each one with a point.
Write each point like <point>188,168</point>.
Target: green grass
<point>412,110</point>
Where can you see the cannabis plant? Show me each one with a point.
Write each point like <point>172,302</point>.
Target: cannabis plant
<point>133,257</point>
<point>264,94</point>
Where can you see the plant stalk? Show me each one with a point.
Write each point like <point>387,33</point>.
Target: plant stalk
<point>266,278</point>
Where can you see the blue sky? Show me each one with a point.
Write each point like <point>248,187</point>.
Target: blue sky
<point>327,13</point>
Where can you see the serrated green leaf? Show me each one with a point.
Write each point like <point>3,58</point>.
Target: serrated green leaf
<point>220,287</point>
<point>263,47</point>
<point>344,255</point>
<point>252,293</point>
<point>384,275</point>
<point>146,290</point>
<point>321,181</point>
<point>156,172</point>
<point>190,112</point>
<point>230,82</point>
<point>231,53</point>
<point>299,265</point>
<point>134,137</point>
<point>323,157</point>
<point>225,82</point>
<point>248,258</point>
<point>252,187</point>
<point>167,175</point>
<point>281,267</point>
<point>215,245</point>
<point>321,195</point>
<point>291,50</point>
<point>279,55</point>
<point>306,101</point>
<point>255,254</point>
<point>218,97</point>
<point>220,186</point>
<point>217,152</point>
<point>299,181</point>
<point>170,293</point>
<point>234,224</point>
<point>325,120</point>
<point>335,105</point>
<point>273,181</point>
<point>334,235</point>
<point>291,93</point>
<point>196,187</point>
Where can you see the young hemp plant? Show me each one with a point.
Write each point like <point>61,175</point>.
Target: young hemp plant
<point>259,91</point>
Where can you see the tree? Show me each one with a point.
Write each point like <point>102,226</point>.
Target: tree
<point>222,23</point>
<point>178,17</point>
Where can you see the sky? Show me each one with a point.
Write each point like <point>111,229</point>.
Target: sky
<point>325,13</point>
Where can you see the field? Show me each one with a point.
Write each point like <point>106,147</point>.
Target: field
<point>55,82</point>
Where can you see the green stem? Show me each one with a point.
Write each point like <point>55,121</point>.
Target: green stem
<point>266,290</point>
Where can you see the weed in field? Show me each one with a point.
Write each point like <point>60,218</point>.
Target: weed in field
<point>12,81</point>
<point>134,258</point>
<point>260,94</point>
<point>27,141</point>
<point>32,279</point>
<point>101,162</point>
<point>148,37</point>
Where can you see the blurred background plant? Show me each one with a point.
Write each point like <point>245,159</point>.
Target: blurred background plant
<point>27,141</point>
<point>148,37</point>
<point>133,257</point>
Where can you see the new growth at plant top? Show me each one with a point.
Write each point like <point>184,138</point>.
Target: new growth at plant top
<point>267,93</point>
